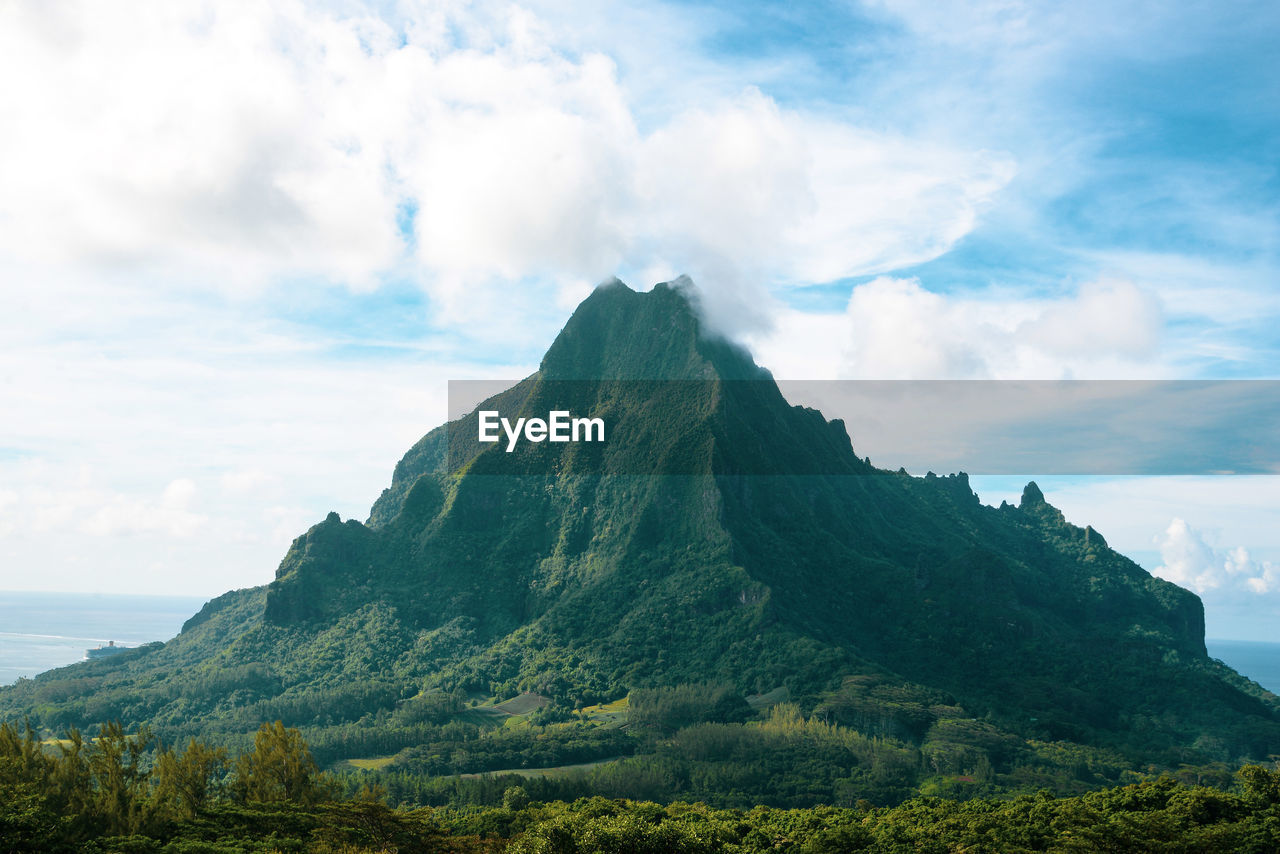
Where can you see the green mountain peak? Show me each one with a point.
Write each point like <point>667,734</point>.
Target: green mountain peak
<point>719,535</point>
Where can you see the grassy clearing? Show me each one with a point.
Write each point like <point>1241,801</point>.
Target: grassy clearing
<point>483,715</point>
<point>607,713</point>
<point>523,705</point>
<point>557,771</point>
<point>515,707</point>
<point>772,698</point>
<point>376,763</point>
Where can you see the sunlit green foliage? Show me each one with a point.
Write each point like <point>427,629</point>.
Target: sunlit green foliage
<point>186,782</point>
<point>279,768</point>
<point>121,792</point>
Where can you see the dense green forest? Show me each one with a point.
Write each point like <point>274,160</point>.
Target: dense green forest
<point>872,739</point>
<point>128,793</point>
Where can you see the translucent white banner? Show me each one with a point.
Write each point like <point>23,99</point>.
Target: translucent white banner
<point>980,427</point>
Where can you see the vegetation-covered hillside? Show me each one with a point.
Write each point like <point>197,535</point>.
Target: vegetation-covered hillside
<point>720,602</point>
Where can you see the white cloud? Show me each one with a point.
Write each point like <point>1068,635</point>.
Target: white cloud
<point>1106,316</point>
<point>885,202</point>
<point>234,144</point>
<point>895,328</point>
<point>744,195</point>
<point>219,139</point>
<point>1189,561</point>
<point>518,168</point>
<point>170,515</point>
<point>898,330</point>
<point>56,501</point>
<point>247,482</point>
<point>1268,582</point>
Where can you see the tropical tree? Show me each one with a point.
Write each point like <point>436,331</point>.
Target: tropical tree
<point>280,768</point>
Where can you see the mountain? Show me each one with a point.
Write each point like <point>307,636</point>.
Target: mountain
<point>722,543</point>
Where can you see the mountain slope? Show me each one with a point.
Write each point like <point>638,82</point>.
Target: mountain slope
<point>720,535</point>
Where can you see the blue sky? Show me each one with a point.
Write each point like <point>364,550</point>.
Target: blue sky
<point>245,247</point>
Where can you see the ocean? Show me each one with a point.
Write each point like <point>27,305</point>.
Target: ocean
<point>40,631</point>
<point>1258,660</point>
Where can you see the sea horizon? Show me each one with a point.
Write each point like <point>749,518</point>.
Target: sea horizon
<point>44,630</point>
